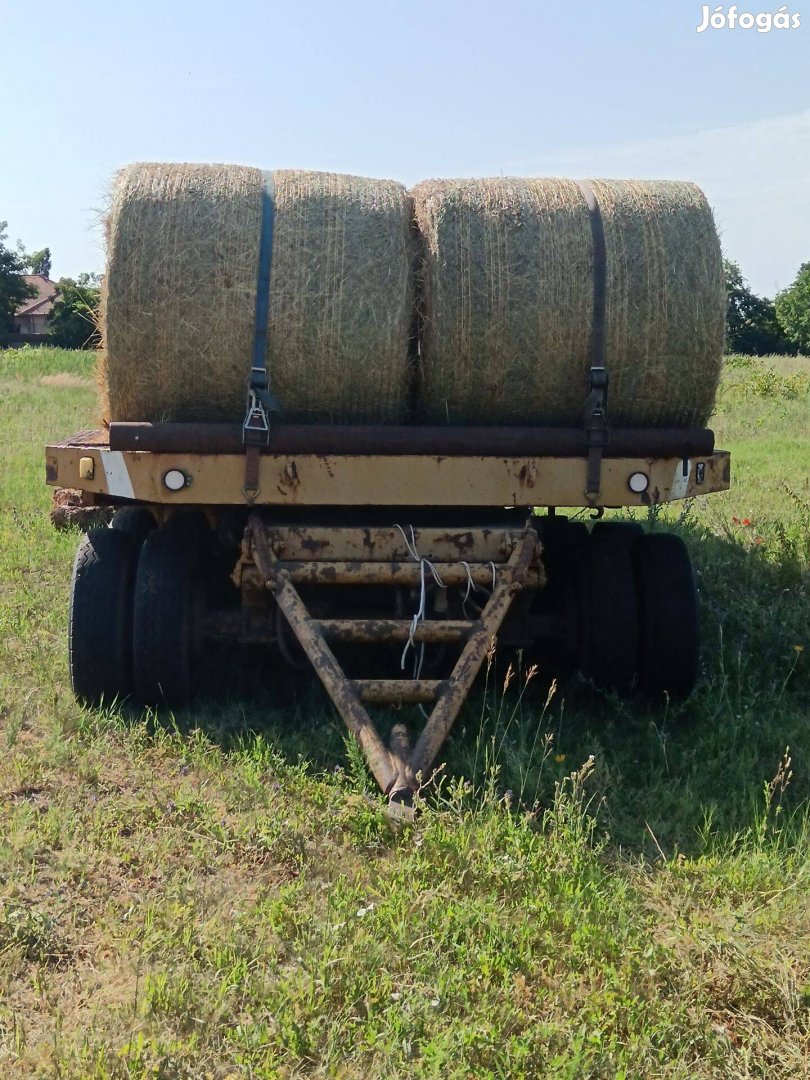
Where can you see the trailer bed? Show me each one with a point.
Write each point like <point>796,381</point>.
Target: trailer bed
<point>456,477</point>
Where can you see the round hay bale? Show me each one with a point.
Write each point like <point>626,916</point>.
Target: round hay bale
<point>180,294</point>
<point>507,301</point>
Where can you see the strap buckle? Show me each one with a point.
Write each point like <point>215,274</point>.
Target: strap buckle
<point>256,425</point>
<point>255,434</point>
<point>597,429</point>
<point>598,380</point>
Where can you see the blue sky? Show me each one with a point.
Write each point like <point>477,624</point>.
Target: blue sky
<point>410,90</point>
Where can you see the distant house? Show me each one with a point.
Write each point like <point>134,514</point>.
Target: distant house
<point>32,317</point>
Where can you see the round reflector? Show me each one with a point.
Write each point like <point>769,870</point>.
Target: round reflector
<point>174,480</point>
<point>638,482</point>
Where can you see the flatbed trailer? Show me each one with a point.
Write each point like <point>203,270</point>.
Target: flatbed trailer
<point>334,543</point>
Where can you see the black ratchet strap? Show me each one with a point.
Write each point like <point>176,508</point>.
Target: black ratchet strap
<point>260,400</point>
<point>594,413</point>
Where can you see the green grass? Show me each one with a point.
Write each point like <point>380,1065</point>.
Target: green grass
<point>594,889</point>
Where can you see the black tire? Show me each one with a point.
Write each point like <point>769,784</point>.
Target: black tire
<point>136,521</point>
<point>564,546</point>
<point>100,622</point>
<point>670,638</point>
<point>165,621</point>
<point>610,628</point>
<point>194,533</point>
<point>629,530</point>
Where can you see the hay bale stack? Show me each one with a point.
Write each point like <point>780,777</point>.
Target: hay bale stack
<point>180,294</point>
<point>507,301</point>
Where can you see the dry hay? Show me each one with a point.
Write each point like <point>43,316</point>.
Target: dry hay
<point>507,300</point>
<point>180,294</point>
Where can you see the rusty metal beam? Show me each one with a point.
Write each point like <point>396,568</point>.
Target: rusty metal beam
<point>195,438</point>
<point>397,691</point>
<point>317,572</point>
<point>341,691</point>
<point>378,631</point>
<point>380,760</point>
<point>386,543</point>
<point>428,480</point>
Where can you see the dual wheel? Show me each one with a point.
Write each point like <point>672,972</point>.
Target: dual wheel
<point>136,611</point>
<point>628,605</point>
<point>622,602</point>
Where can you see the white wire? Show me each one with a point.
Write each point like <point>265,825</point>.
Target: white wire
<point>472,586</point>
<point>419,615</point>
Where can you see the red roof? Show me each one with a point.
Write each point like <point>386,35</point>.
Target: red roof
<point>42,303</point>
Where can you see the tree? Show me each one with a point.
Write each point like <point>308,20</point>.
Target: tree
<point>793,309</point>
<point>14,289</point>
<point>74,319</point>
<point>751,323</point>
<point>39,262</point>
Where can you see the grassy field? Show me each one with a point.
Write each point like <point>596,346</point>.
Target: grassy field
<point>594,888</point>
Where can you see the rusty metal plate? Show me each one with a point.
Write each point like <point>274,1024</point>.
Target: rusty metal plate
<point>424,480</point>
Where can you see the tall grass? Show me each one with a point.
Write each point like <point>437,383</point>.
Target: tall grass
<point>593,888</point>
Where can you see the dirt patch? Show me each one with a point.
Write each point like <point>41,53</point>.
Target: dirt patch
<point>75,508</point>
<point>64,381</point>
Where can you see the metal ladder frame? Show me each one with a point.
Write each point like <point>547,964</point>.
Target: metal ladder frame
<point>398,768</point>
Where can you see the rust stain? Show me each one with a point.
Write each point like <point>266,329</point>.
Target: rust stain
<point>528,474</point>
<point>463,542</point>
<point>311,544</point>
<point>291,474</point>
<point>327,464</point>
